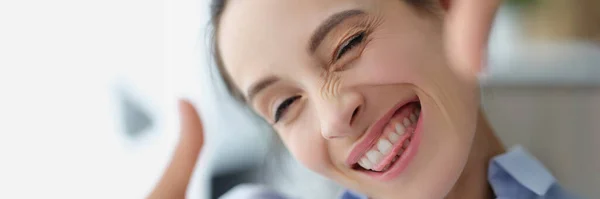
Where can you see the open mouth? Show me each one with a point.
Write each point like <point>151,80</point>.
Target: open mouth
<point>393,146</point>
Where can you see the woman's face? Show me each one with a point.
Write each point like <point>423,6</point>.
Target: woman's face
<point>359,91</point>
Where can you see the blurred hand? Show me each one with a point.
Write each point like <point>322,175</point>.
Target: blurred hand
<point>174,182</point>
<point>467,29</point>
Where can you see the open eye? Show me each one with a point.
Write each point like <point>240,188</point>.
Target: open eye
<point>350,44</point>
<point>282,108</point>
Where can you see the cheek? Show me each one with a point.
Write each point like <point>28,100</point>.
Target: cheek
<point>409,59</point>
<point>416,58</point>
<point>305,143</point>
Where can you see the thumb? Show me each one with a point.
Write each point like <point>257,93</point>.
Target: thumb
<point>176,178</point>
<point>191,124</point>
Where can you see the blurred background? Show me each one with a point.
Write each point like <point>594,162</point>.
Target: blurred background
<point>88,94</point>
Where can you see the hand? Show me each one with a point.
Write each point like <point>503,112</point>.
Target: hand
<point>467,29</point>
<point>176,178</point>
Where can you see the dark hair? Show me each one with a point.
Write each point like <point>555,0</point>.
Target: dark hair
<point>217,8</point>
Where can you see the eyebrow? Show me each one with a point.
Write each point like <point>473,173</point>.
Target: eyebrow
<point>260,86</point>
<point>328,25</point>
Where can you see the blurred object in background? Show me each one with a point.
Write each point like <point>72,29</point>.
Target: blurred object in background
<point>563,19</point>
<point>559,19</point>
<point>558,123</point>
<point>539,40</point>
<point>543,89</point>
<point>136,119</point>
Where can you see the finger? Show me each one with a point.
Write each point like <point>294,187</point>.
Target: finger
<point>191,124</point>
<point>175,180</point>
<point>468,27</point>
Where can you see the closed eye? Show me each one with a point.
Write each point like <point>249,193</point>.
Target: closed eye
<point>350,44</point>
<point>282,108</point>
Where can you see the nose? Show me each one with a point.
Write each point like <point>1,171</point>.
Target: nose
<point>338,115</point>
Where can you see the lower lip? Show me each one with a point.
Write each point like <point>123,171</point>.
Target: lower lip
<point>405,159</point>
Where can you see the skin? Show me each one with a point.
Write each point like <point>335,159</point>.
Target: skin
<point>406,56</point>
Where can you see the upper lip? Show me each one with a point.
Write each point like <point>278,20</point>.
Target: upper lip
<point>373,133</point>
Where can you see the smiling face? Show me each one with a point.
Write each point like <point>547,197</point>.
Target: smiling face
<point>359,91</point>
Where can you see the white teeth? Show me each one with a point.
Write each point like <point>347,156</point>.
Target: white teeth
<point>406,122</point>
<point>400,129</point>
<point>394,137</point>
<point>365,163</point>
<point>405,144</point>
<point>413,118</point>
<point>374,156</point>
<point>384,146</point>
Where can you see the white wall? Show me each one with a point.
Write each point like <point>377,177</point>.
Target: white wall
<point>60,63</point>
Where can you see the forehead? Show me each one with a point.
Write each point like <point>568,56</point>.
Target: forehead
<point>259,37</point>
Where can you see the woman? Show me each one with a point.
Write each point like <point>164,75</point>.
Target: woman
<point>380,96</point>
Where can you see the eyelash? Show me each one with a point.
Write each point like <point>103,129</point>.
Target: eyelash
<point>349,44</point>
<point>366,27</point>
<point>282,108</point>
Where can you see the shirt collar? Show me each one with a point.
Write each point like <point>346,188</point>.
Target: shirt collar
<point>523,168</point>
